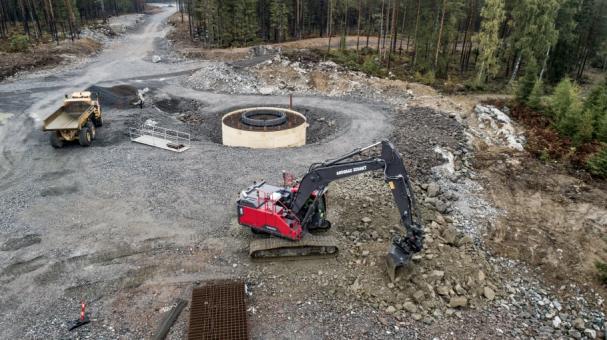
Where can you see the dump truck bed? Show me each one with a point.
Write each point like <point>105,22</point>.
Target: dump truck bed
<point>68,117</point>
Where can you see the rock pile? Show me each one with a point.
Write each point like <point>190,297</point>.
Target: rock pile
<point>280,76</point>
<point>496,128</point>
<point>222,78</point>
<point>448,275</point>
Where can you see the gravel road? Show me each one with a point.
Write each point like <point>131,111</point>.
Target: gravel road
<point>128,228</point>
<point>102,222</point>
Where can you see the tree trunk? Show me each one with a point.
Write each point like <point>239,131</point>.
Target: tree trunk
<point>360,2</point>
<point>517,65</point>
<point>402,30</point>
<point>583,66</point>
<point>189,9</point>
<point>415,34</point>
<point>456,42</point>
<point>462,59</point>
<point>544,64</point>
<point>26,27</point>
<point>394,29</point>
<point>368,26</point>
<point>329,19</point>
<point>34,19</point>
<point>440,33</point>
<point>381,28</point>
<point>52,23</point>
<point>71,18</point>
<point>387,21</point>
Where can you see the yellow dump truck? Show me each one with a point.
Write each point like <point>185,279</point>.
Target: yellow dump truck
<point>77,119</point>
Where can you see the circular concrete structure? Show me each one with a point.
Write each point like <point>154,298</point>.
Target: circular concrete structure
<point>264,128</point>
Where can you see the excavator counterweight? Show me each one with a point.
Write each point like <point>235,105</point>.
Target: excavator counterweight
<point>296,210</point>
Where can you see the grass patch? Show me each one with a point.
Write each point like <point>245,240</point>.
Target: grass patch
<point>601,268</point>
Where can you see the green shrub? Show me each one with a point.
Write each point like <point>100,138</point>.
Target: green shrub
<point>545,156</point>
<point>370,66</point>
<point>566,107</point>
<point>596,105</point>
<point>345,58</point>
<point>535,97</point>
<point>526,84</point>
<point>19,43</point>
<point>597,165</point>
<point>584,128</point>
<point>427,78</point>
<point>601,267</point>
<point>601,128</point>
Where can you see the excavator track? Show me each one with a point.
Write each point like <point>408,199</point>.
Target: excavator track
<point>310,246</point>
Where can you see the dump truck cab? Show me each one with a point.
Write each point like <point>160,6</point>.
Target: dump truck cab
<point>77,119</point>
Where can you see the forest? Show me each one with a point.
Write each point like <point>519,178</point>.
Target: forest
<point>35,20</point>
<point>493,38</point>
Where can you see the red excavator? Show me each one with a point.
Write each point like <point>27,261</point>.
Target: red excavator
<point>295,211</point>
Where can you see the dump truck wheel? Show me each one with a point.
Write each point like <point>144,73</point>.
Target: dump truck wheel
<point>56,141</point>
<point>98,122</point>
<point>91,126</point>
<point>85,138</point>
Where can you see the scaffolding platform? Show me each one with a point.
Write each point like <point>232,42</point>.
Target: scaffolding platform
<point>162,138</point>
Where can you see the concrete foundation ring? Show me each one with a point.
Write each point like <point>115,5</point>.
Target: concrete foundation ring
<point>264,128</point>
<point>264,118</point>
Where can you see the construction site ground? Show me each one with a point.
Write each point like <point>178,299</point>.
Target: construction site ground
<point>510,241</point>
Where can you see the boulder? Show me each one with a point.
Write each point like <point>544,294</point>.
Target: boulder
<point>450,235</point>
<point>433,189</point>
<point>458,301</point>
<point>443,290</point>
<point>556,322</point>
<point>418,296</point>
<point>489,293</point>
<point>438,274</point>
<point>460,290</point>
<point>591,333</point>
<point>410,307</point>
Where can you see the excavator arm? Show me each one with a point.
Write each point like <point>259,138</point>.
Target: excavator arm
<point>389,161</point>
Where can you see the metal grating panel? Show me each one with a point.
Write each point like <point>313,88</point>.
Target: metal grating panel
<point>218,312</point>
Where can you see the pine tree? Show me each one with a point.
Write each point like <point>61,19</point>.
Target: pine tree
<point>566,107</point>
<point>535,97</point>
<point>488,39</point>
<point>526,85</point>
<point>279,19</point>
<point>596,107</point>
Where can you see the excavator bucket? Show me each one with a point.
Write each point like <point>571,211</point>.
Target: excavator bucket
<point>395,260</point>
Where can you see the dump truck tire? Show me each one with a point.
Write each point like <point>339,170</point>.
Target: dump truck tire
<point>56,141</point>
<point>85,138</point>
<point>98,122</point>
<point>91,126</point>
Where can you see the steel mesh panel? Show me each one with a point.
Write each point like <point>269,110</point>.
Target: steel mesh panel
<point>218,312</point>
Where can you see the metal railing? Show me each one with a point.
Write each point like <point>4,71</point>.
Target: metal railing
<point>161,136</point>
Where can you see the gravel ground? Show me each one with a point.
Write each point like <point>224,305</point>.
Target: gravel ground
<point>128,228</point>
